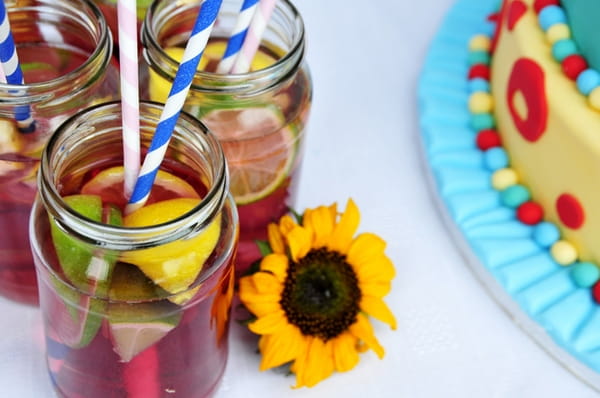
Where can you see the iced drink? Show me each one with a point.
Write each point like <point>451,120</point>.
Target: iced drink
<point>134,305</point>
<point>65,53</point>
<point>259,117</point>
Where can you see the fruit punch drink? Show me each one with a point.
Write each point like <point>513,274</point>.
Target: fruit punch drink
<point>65,53</point>
<point>259,116</point>
<point>134,305</point>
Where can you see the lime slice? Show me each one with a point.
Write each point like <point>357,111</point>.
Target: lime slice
<point>173,266</point>
<point>109,184</point>
<point>135,326</point>
<point>87,270</point>
<point>259,152</point>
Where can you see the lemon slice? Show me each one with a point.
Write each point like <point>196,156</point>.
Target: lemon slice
<point>259,152</point>
<point>159,87</point>
<point>173,266</point>
<point>109,184</point>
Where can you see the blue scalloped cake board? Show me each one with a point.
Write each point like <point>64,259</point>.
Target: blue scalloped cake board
<point>537,292</point>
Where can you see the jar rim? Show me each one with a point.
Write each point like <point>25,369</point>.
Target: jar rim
<point>237,83</point>
<point>94,22</point>
<point>128,238</point>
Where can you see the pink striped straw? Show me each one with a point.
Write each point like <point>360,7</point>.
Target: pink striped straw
<point>128,57</point>
<point>253,37</point>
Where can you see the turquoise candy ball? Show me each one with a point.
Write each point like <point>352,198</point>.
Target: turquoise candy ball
<point>563,48</point>
<point>514,196</point>
<point>483,121</point>
<point>585,274</point>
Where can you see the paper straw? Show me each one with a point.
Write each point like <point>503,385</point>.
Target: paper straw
<point>253,37</point>
<point>12,70</point>
<point>128,58</point>
<point>234,44</point>
<point>168,118</point>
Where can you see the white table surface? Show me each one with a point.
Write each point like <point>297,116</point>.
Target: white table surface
<point>453,340</point>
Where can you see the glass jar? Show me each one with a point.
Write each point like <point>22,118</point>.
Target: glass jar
<point>65,52</point>
<point>259,116</point>
<point>136,304</point>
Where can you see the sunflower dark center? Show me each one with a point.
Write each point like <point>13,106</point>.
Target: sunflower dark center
<point>321,294</point>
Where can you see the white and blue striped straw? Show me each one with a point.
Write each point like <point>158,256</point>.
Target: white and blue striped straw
<point>12,70</point>
<point>179,90</point>
<point>234,44</point>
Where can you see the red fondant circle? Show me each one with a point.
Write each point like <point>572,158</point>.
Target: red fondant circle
<point>570,211</point>
<point>527,77</point>
<point>573,65</point>
<point>515,12</point>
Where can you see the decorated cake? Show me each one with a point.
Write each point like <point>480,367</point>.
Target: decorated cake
<point>510,116</point>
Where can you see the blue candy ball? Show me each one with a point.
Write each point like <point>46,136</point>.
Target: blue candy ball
<point>588,80</point>
<point>546,234</point>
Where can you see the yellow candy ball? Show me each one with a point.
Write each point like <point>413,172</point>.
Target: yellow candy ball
<point>481,102</point>
<point>504,178</point>
<point>594,98</point>
<point>480,43</point>
<point>563,252</point>
<point>558,32</point>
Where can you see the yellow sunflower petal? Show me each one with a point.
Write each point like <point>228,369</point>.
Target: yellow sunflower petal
<point>345,352</point>
<point>282,347</point>
<point>265,282</point>
<point>342,234</point>
<point>364,248</point>
<point>314,364</point>
<point>375,307</point>
<point>269,324</point>
<point>286,224</point>
<point>321,221</point>
<point>277,264</point>
<point>275,239</point>
<point>376,289</point>
<point>258,303</point>
<point>299,242</point>
<point>379,270</point>
<point>363,330</point>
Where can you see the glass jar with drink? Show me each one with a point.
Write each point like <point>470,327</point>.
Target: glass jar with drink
<point>136,304</point>
<point>259,116</point>
<point>65,53</point>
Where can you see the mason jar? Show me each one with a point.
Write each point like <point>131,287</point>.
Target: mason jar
<point>65,52</point>
<point>259,116</point>
<point>134,305</point>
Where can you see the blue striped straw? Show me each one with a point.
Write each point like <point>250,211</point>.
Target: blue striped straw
<point>237,36</point>
<point>12,70</point>
<point>168,118</point>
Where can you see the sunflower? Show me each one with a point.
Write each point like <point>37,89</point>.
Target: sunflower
<point>314,292</point>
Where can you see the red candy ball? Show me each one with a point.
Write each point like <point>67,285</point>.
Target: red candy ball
<point>596,292</point>
<point>479,70</point>
<point>530,213</point>
<point>538,5</point>
<point>487,139</point>
<point>573,65</point>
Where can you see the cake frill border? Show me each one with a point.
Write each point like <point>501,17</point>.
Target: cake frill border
<point>538,293</point>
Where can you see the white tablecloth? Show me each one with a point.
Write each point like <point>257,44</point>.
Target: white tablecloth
<point>453,340</point>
